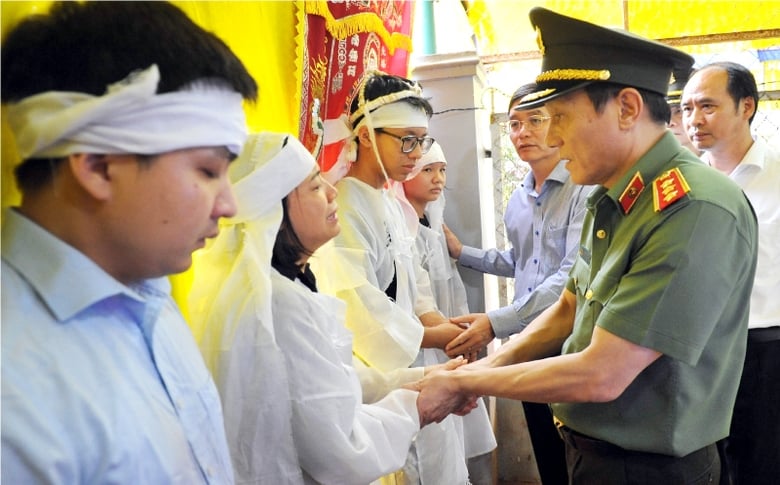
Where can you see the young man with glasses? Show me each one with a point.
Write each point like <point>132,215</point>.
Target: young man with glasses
<point>543,222</point>
<point>372,264</point>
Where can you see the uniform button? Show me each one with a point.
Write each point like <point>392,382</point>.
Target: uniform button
<point>589,294</point>
<point>601,234</point>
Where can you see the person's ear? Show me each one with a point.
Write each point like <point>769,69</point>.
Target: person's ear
<point>92,173</point>
<point>630,105</point>
<point>749,104</point>
<point>363,136</point>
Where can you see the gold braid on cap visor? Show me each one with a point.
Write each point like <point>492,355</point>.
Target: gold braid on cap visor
<point>534,96</point>
<point>574,75</point>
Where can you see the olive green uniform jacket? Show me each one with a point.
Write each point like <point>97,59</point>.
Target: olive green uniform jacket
<point>666,261</point>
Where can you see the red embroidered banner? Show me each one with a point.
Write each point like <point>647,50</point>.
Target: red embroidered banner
<point>343,39</point>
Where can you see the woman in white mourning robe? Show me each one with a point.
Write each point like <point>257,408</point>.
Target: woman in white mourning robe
<point>336,438</point>
<point>230,314</point>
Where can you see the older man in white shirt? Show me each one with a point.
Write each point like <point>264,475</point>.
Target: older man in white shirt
<point>719,103</point>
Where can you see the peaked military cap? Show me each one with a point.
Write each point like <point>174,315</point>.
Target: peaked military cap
<point>577,53</point>
<point>679,78</point>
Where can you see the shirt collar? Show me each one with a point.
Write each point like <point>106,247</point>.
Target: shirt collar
<point>558,175</point>
<point>755,156</point>
<point>66,280</point>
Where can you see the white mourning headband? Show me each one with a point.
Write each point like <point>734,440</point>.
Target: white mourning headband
<point>130,118</point>
<point>277,164</point>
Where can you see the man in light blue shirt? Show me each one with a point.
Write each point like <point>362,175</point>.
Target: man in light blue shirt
<point>543,221</point>
<point>543,228</point>
<point>125,136</point>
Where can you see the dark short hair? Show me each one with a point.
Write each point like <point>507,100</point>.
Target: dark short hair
<point>84,47</point>
<point>288,248</point>
<point>380,85</point>
<point>741,83</point>
<point>522,92</point>
<point>600,93</point>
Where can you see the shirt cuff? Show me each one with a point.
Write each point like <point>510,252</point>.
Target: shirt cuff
<point>471,257</point>
<point>505,321</point>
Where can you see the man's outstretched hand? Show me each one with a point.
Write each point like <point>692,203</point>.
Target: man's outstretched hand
<point>439,397</point>
<point>477,335</point>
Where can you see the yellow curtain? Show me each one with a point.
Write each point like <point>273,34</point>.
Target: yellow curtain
<point>264,35</point>
<point>503,27</point>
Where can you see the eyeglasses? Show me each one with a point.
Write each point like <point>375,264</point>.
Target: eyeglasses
<point>533,123</point>
<point>410,142</point>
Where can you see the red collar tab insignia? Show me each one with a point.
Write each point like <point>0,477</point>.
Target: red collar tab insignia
<point>633,189</point>
<point>668,188</point>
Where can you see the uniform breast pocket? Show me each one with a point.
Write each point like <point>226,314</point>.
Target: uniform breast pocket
<point>593,296</point>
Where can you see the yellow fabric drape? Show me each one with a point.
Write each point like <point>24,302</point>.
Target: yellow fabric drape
<point>264,35</point>
<point>503,27</point>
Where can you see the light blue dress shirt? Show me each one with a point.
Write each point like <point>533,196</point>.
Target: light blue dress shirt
<point>101,383</point>
<point>543,230</point>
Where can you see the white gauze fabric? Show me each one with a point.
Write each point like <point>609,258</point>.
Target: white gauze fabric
<point>231,311</point>
<point>129,118</point>
<point>448,291</point>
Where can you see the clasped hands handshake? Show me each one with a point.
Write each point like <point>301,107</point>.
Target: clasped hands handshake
<point>440,394</point>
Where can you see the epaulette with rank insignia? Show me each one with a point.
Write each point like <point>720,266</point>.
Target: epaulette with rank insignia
<point>668,188</point>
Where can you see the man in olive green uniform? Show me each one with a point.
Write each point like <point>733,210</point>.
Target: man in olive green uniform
<point>652,323</point>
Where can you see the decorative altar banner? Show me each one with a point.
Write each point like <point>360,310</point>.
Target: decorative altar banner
<point>342,40</point>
